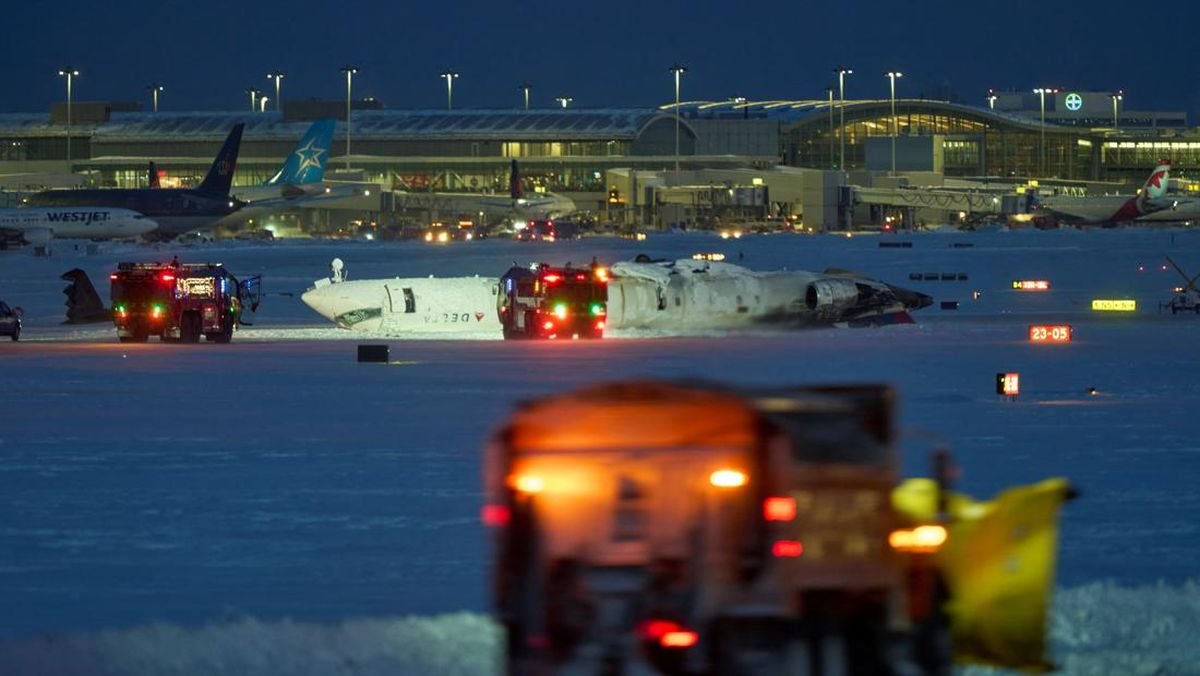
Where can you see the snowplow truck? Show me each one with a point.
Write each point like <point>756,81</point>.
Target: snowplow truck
<point>656,527</point>
<point>179,302</point>
<point>542,301</point>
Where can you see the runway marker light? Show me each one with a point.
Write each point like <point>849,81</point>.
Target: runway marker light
<point>1114,305</point>
<point>1008,384</point>
<point>1049,333</point>
<point>787,549</point>
<point>779,509</point>
<point>1031,285</point>
<point>727,478</point>
<point>922,539</point>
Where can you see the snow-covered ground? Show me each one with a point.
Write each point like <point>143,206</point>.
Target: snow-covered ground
<point>234,508</point>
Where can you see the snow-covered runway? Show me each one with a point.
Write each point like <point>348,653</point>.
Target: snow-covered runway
<point>277,478</point>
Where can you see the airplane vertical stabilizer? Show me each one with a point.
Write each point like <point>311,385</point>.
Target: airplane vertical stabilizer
<point>220,174</point>
<point>306,164</point>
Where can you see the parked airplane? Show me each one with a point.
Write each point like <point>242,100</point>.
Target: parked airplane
<point>38,225</point>
<point>515,205</point>
<point>176,210</point>
<point>660,296</point>
<point>302,173</point>
<point>1110,210</point>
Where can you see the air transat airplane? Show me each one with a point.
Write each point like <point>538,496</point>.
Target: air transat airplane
<point>1110,210</point>
<point>176,210</point>
<point>38,225</point>
<point>302,172</point>
<point>516,205</point>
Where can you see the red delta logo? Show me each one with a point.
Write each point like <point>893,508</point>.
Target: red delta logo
<point>479,316</point>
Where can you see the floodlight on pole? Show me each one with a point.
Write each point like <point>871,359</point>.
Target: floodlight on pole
<point>842,72</point>
<point>564,101</point>
<point>262,103</point>
<point>70,73</point>
<point>350,72</point>
<point>1117,97</point>
<point>829,90</point>
<point>525,87</point>
<point>991,99</point>
<point>450,76</point>
<point>277,75</point>
<point>253,99</point>
<point>678,70</point>
<point>892,75</point>
<point>154,88</point>
<point>1041,92</point>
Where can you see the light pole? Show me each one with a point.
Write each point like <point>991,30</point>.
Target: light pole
<point>564,101</point>
<point>277,75</point>
<point>525,87</point>
<point>155,88</point>
<point>1117,97</point>
<point>70,73</point>
<point>842,72</point>
<point>1041,92</point>
<point>892,75</point>
<point>262,103</point>
<point>829,91</point>
<point>450,77</point>
<point>991,99</point>
<point>349,71</point>
<point>678,70</point>
<point>253,99</point>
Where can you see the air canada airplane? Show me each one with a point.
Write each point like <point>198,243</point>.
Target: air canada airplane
<point>38,225</point>
<point>176,210</point>
<point>515,205</point>
<point>1111,210</point>
<point>663,297</point>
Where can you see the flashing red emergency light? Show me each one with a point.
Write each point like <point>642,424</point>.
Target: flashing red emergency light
<point>1049,333</point>
<point>1008,384</point>
<point>779,509</point>
<point>787,549</point>
<point>113,276</point>
<point>551,278</point>
<point>495,515</point>
<point>668,633</point>
<point>167,277</point>
<point>548,325</point>
<point>1031,285</point>
<point>682,638</point>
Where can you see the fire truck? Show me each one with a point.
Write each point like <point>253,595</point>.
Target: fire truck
<point>542,301</point>
<point>179,302</point>
<point>657,527</point>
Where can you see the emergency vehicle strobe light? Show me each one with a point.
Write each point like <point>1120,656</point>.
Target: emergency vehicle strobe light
<point>727,478</point>
<point>529,483</point>
<point>779,509</point>
<point>787,549</point>
<point>923,539</point>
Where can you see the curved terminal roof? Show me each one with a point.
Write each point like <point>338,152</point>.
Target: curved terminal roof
<point>575,124</point>
<point>809,110</point>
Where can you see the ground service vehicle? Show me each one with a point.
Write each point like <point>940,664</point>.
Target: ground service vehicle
<point>179,302</point>
<point>541,301</point>
<point>10,321</point>
<point>652,527</point>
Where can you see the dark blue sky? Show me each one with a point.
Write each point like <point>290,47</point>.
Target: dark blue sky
<point>599,53</point>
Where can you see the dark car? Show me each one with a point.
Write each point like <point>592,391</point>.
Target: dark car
<point>10,321</point>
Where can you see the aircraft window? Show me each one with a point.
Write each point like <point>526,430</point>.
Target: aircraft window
<point>410,302</point>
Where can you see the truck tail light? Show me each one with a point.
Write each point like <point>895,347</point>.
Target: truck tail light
<point>668,633</point>
<point>727,478</point>
<point>779,509</point>
<point>787,549</point>
<point>922,539</point>
<point>682,638</point>
<point>496,516</point>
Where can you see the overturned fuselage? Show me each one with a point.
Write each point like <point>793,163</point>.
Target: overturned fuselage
<point>689,295</point>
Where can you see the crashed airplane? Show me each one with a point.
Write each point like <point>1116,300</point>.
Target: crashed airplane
<point>683,296</point>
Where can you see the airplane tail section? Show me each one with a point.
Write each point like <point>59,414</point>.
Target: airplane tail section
<point>306,164</point>
<point>83,303</point>
<point>220,174</point>
<point>514,183</point>
<point>1156,186</point>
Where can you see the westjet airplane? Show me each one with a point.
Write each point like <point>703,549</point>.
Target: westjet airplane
<point>176,210</point>
<point>38,225</point>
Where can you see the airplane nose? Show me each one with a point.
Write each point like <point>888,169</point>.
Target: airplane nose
<point>321,301</point>
<point>141,226</point>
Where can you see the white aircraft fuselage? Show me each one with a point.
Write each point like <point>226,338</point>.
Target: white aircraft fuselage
<point>38,225</point>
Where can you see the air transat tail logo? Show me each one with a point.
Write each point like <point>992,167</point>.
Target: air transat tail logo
<point>310,157</point>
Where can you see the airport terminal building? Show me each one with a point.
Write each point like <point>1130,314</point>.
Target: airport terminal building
<point>587,153</point>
